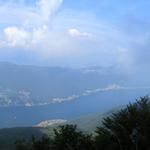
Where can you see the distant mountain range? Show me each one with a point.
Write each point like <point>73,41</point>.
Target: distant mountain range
<point>49,96</point>
<point>22,85</point>
<point>31,94</point>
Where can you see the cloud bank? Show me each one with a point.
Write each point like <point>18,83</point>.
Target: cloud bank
<point>33,30</point>
<point>55,33</point>
<point>48,7</point>
<point>27,34</point>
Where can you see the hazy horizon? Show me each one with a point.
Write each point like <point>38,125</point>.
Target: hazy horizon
<point>74,74</point>
<point>75,33</point>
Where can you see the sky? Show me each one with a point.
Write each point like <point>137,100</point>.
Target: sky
<point>75,33</point>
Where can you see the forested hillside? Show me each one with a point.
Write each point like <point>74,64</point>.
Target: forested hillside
<point>127,129</point>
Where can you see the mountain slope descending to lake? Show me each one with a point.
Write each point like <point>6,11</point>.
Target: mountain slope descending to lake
<point>96,103</point>
<point>9,136</point>
<point>87,124</point>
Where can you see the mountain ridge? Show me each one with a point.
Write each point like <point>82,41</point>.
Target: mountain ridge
<point>25,85</point>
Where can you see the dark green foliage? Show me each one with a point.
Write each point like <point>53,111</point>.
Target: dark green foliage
<point>128,129</point>
<point>68,138</point>
<point>65,138</point>
<point>42,144</point>
<point>10,135</point>
<point>22,145</point>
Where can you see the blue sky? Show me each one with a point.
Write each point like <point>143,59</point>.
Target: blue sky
<point>75,33</point>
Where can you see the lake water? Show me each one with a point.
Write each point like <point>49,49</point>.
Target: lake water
<point>96,103</point>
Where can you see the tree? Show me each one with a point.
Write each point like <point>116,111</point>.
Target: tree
<point>69,138</point>
<point>66,137</point>
<point>128,129</point>
<point>42,144</point>
<point>35,144</point>
<point>23,145</point>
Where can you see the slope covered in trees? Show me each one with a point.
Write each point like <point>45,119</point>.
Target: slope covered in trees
<point>128,129</point>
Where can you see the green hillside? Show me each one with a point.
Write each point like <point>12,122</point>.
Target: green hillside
<point>90,122</point>
<point>85,123</point>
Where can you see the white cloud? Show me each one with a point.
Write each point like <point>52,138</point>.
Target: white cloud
<point>19,37</point>
<point>19,13</point>
<point>34,32</point>
<point>48,7</point>
<point>30,27</point>
<point>16,37</point>
<point>37,29</point>
<point>77,33</point>
<point>38,34</point>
